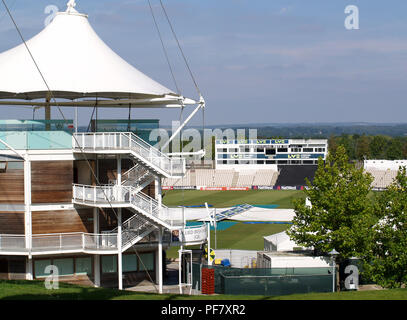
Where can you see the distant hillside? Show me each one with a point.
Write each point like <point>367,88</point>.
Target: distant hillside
<point>322,130</point>
<point>312,130</point>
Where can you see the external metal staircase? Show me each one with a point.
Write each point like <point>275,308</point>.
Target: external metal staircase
<point>138,177</point>
<point>134,230</point>
<point>129,143</point>
<point>149,162</point>
<point>127,197</point>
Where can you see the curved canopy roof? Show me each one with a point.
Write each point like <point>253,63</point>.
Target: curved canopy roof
<point>75,63</point>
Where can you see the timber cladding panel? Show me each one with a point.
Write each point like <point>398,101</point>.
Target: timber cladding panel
<point>64,221</point>
<point>11,222</point>
<point>51,181</point>
<point>150,190</point>
<point>12,186</point>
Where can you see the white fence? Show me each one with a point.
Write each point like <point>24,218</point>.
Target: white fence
<point>59,242</point>
<point>238,258</point>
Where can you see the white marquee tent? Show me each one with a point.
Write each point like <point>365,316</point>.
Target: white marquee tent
<point>76,64</point>
<point>280,242</point>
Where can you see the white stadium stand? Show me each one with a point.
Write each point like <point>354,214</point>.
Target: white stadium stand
<point>225,178</point>
<point>383,171</point>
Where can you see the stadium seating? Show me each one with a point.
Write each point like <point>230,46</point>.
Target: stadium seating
<point>205,177</point>
<point>246,178</point>
<point>225,178</point>
<point>265,178</point>
<point>184,181</point>
<point>382,178</point>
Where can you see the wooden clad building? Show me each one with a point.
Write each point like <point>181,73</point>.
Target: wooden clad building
<point>51,213</point>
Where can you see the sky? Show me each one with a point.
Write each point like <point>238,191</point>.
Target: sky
<point>255,61</point>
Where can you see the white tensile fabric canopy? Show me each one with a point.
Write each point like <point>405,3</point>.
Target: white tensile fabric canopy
<point>280,242</point>
<point>76,64</point>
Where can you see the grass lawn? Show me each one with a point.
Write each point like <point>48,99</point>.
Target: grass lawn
<point>232,238</point>
<point>35,290</point>
<point>223,199</point>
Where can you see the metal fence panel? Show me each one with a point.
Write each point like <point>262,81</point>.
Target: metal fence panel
<point>266,281</point>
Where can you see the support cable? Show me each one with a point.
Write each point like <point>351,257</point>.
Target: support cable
<point>164,49</point>
<point>180,48</point>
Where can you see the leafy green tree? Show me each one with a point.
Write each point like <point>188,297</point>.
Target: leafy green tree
<point>387,259</point>
<point>378,147</point>
<point>394,150</point>
<point>404,148</point>
<point>332,144</point>
<point>340,214</point>
<point>349,144</point>
<point>363,148</point>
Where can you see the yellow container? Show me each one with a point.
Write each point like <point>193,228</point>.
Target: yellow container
<point>218,261</point>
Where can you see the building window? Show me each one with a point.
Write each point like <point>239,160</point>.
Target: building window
<point>147,261</point>
<point>270,162</point>
<point>282,150</point>
<point>65,266</point>
<point>15,165</point>
<point>83,266</point>
<point>270,151</point>
<point>260,161</point>
<point>308,150</point>
<point>109,264</point>
<point>130,262</point>
<point>39,268</point>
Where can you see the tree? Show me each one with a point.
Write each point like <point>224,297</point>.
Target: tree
<point>386,261</point>
<point>349,145</point>
<point>378,147</point>
<point>394,150</point>
<point>340,214</point>
<point>332,144</point>
<point>362,148</point>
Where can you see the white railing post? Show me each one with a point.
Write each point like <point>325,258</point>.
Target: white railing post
<point>60,241</point>
<point>83,241</point>
<point>103,140</point>
<point>83,141</point>
<point>94,194</point>
<point>94,142</point>
<point>83,194</point>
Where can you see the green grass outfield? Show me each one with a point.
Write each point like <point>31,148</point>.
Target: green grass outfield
<point>240,236</point>
<point>223,199</point>
<point>35,290</point>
